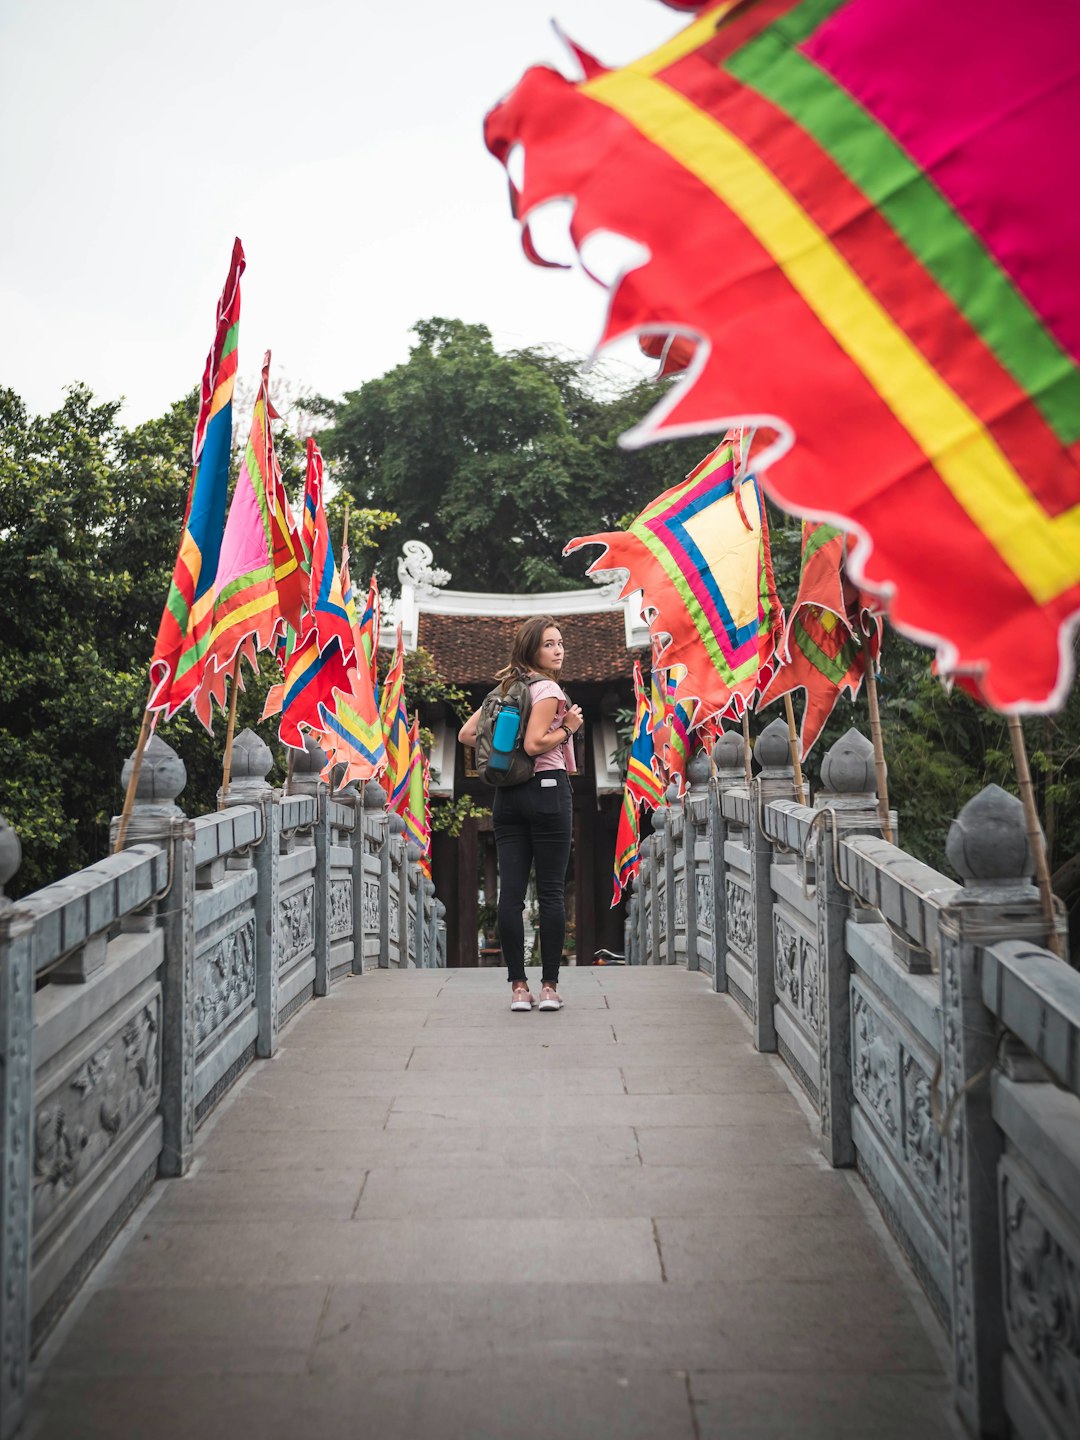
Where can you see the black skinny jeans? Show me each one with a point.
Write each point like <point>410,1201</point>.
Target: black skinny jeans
<point>533,822</point>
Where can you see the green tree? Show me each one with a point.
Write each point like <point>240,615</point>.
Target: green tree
<point>495,460</point>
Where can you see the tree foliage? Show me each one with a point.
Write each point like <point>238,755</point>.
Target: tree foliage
<point>495,461</point>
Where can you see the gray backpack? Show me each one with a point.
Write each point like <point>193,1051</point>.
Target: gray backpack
<point>500,735</point>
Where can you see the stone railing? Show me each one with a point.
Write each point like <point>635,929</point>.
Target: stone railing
<point>133,994</point>
<point>938,1042</point>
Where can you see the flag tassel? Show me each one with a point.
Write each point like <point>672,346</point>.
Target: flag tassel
<point>1035,835</point>
<point>133,780</point>
<point>875,736</point>
<point>793,741</point>
<point>226,771</point>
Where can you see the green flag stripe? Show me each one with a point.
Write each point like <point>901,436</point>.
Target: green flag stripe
<point>938,237</point>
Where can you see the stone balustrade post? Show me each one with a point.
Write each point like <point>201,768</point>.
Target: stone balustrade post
<point>16,1135</point>
<point>673,836</point>
<point>645,899</point>
<point>847,804</point>
<point>393,875</point>
<point>729,767</point>
<point>776,781</point>
<point>698,870</point>
<point>307,779</point>
<point>252,762</point>
<point>988,847</point>
<point>440,935</point>
<point>157,818</point>
<point>658,858</point>
<point>630,929</point>
<point>374,904</point>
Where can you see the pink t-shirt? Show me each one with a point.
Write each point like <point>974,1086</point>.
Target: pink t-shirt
<point>562,757</point>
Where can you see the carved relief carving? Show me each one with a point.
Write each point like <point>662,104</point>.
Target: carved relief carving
<point>395,927</point>
<point>963,1326</point>
<point>740,918</point>
<point>661,909</point>
<point>704,903</point>
<point>795,964</point>
<point>1042,1303</point>
<point>341,922</point>
<point>296,927</point>
<point>81,1119</point>
<point>17,1091</point>
<point>224,980</point>
<point>923,1147</point>
<point>680,902</point>
<point>411,933</point>
<point>370,908</point>
<point>873,1062</point>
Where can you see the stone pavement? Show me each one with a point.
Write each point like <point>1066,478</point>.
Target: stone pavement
<point>432,1219</point>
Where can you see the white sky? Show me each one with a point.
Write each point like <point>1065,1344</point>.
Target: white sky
<point>340,139</point>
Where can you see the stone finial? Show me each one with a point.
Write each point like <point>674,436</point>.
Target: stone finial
<point>848,766</point>
<point>988,839</point>
<point>374,797</point>
<point>251,757</point>
<point>10,856</point>
<point>659,820</point>
<point>396,824</point>
<point>428,885</point>
<point>699,771</point>
<point>311,761</point>
<point>440,909</point>
<point>413,852</point>
<point>728,755</point>
<point>162,775</point>
<point>673,793</point>
<point>646,847</point>
<point>772,749</point>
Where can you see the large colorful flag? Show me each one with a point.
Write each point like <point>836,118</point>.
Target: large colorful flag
<point>642,781</point>
<point>369,627</point>
<point>246,613</point>
<point>395,727</point>
<point>627,845</point>
<point>822,651</point>
<point>326,603</point>
<point>179,657</point>
<point>412,803</point>
<point>861,250</point>
<point>352,728</point>
<point>699,552</point>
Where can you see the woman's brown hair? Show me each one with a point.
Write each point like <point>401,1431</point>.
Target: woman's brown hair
<point>527,642</point>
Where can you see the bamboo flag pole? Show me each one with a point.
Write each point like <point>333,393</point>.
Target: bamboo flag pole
<point>1034,834</point>
<point>133,779</point>
<point>746,748</point>
<point>226,773</point>
<point>875,736</point>
<point>793,740</point>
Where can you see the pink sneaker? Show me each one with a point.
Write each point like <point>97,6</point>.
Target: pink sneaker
<point>522,998</point>
<point>550,999</point>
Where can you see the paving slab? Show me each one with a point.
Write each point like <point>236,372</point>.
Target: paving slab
<point>430,1218</point>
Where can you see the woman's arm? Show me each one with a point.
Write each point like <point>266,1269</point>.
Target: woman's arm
<point>467,733</point>
<point>537,739</point>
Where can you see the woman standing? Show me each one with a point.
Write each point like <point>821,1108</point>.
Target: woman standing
<point>533,821</point>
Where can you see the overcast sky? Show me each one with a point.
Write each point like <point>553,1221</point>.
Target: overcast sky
<point>340,139</point>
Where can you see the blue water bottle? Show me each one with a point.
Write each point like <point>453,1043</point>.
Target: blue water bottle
<point>504,737</point>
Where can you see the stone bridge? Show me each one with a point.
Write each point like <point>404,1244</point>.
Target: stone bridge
<point>808,1166</point>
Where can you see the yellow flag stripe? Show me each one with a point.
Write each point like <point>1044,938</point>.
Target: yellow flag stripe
<point>1042,551</point>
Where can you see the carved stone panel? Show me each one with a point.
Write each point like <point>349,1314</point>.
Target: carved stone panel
<point>704,904</point>
<point>370,907</point>
<point>680,902</point>
<point>661,909</point>
<point>923,1149</point>
<point>395,926</point>
<point>412,933</point>
<point>1041,1285</point>
<point>88,1112</point>
<point>874,1065</point>
<point>296,926</point>
<point>740,918</point>
<point>341,921</point>
<point>796,969</point>
<point>224,980</point>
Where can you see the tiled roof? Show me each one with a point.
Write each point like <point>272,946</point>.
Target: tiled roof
<point>468,649</point>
